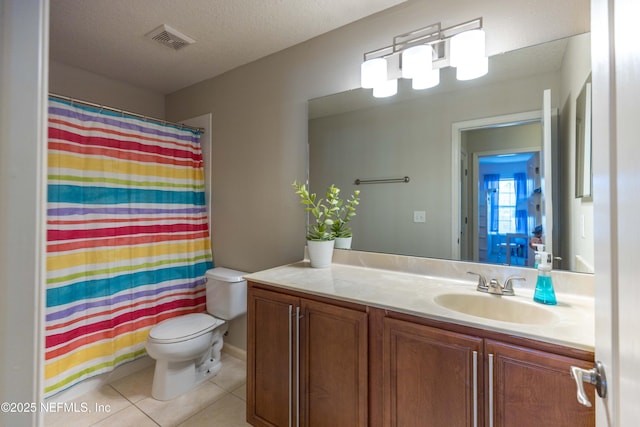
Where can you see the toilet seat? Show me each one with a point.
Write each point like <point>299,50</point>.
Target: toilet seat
<point>183,328</point>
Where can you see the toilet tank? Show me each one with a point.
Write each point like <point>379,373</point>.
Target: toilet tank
<point>226,293</point>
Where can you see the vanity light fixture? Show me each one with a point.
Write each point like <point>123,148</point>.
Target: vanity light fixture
<point>386,89</point>
<point>467,55</point>
<point>373,73</point>
<point>417,65</point>
<point>420,54</point>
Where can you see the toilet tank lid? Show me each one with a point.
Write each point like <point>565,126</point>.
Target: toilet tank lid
<point>184,326</point>
<point>226,274</point>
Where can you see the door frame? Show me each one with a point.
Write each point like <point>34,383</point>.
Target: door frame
<point>24,87</point>
<point>475,190</point>
<point>457,128</point>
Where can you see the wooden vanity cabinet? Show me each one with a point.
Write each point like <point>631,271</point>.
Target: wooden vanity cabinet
<point>306,361</point>
<point>528,387</point>
<point>431,377</point>
<point>270,342</point>
<point>439,374</point>
<point>313,361</point>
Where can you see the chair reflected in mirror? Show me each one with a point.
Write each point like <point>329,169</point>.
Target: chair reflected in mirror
<point>514,249</point>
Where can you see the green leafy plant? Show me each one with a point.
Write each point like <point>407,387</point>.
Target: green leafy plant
<point>346,210</point>
<point>323,210</point>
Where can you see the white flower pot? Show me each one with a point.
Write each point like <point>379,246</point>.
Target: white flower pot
<point>343,242</point>
<point>320,253</point>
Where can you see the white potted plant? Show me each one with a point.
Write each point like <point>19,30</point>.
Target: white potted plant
<point>320,238</point>
<point>346,210</point>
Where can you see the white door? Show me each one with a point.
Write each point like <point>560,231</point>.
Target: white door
<point>626,292</point>
<point>616,178</point>
<point>604,213</point>
<point>547,172</point>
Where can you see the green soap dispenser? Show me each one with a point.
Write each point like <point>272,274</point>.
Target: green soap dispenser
<point>544,293</point>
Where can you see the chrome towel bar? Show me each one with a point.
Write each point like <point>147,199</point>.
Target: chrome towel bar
<point>381,181</point>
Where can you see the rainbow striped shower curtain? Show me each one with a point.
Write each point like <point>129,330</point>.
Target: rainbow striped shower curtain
<point>128,241</point>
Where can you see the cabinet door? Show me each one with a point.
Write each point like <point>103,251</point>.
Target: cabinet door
<point>431,377</point>
<point>270,375</point>
<point>534,388</point>
<point>333,366</point>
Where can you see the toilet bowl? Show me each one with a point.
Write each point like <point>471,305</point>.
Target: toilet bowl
<point>187,348</point>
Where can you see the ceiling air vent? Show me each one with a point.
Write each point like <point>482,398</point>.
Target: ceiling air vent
<point>170,37</point>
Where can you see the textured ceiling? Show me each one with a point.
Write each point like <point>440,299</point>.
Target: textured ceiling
<point>107,37</point>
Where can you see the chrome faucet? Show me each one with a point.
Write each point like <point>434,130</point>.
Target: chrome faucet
<point>507,289</point>
<point>494,287</point>
<point>482,282</point>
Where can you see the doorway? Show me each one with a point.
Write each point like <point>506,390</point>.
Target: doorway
<point>507,205</point>
<point>511,144</point>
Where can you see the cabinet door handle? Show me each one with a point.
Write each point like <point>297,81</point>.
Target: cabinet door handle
<point>595,376</point>
<point>475,389</point>
<point>490,390</point>
<point>298,366</point>
<point>290,362</point>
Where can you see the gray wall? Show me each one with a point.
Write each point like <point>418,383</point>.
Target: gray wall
<point>260,113</point>
<point>86,86</point>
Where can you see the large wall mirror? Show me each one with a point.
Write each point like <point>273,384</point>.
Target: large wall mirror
<point>482,181</point>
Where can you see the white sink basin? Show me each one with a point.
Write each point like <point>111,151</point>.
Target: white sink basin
<point>494,307</point>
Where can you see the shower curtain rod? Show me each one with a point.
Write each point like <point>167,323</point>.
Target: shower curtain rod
<point>123,112</point>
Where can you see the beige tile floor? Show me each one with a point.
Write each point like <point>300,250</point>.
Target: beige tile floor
<point>219,402</point>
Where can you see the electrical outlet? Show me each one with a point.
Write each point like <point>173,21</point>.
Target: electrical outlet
<point>419,216</point>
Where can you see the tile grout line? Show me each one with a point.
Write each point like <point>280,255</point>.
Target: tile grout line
<point>131,404</point>
<point>228,391</point>
<point>225,395</point>
<point>136,406</point>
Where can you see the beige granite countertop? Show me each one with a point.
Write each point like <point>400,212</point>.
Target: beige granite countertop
<point>572,321</point>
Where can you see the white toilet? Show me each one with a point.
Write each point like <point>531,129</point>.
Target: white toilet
<point>187,348</point>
